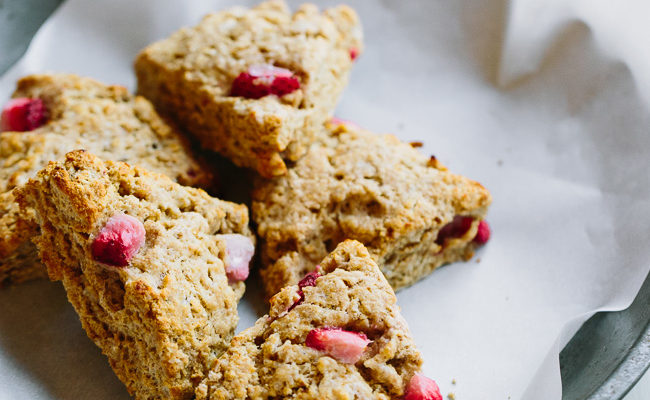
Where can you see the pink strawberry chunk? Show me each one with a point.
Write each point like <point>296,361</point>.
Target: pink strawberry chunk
<point>354,53</point>
<point>345,346</point>
<point>308,280</point>
<point>262,80</point>
<point>267,71</point>
<point>455,229</point>
<point>459,226</point>
<point>483,233</point>
<point>244,85</point>
<point>284,85</point>
<point>338,121</point>
<point>23,114</point>
<point>118,241</point>
<point>422,388</point>
<point>239,252</point>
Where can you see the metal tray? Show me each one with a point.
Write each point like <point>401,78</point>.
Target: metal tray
<point>609,354</point>
<point>604,359</point>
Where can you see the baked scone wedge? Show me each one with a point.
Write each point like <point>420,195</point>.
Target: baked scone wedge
<point>51,115</point>
<point>254,84</point>
<point>154,269</point>
<point>411,213</point>
<point>338,334</point>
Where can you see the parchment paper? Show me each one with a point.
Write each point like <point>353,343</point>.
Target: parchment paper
<point>544,102</point>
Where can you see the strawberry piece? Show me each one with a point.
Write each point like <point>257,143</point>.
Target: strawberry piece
<point>308,280</point>
<point>262,80</point>
<point>354,53</point>
<point>269,71</point>
<point>483,233</point>
<point>343,122</point>
<point>239,252</point>
<point>338,121</point>
<point>118,241</point>
<point>244,85</point>
<point>23,114</point>
<point>422,388</point>
<point>345,346</point>
<point>455,229</point>
<point>459,226</point>
<point>284,85</point>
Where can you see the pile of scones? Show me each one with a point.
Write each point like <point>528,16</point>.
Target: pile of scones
<point>112,194</point>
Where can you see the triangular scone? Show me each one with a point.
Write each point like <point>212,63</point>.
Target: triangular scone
<point>146,264</point>
<point>254,84</point>
<point>374,189</point>
<point>338,335</point>
<point>80,113</point>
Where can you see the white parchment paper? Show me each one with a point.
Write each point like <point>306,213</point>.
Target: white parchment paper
<point>544,102</point>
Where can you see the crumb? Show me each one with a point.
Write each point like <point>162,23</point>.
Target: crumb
<point>478,260</point>
<point>451,396</point>
<point>433,162</point>
<point>453,381</point>
<point>499,162</point>
<point>416,144</point>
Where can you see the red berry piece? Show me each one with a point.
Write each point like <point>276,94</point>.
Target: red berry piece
<point>262,80</point>
<point>308,280</point>
<point>338,122</point>
<point>284,85</point>
<point>354,53</point>
<point>422,388</point>
<point>455,229</point>
<point>345,346</point>
<point>268,72</point>
<point>483,233</point>
<point>239,252</point>
<point>118,241</point>
<point>23,114</point>
<point>245,86</point>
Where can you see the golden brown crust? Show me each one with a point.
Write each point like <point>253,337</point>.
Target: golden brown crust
<point>189,76</point>
<point>83,114</point>
<point>271,361</point>
<point>165,317</point>
<point>371,188</point>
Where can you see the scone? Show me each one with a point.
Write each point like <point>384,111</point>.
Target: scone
<point>254,84</point>
<point>411,213</point>
<point>51,115</point>
<point>338,334</point>
<point>154,269</point>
